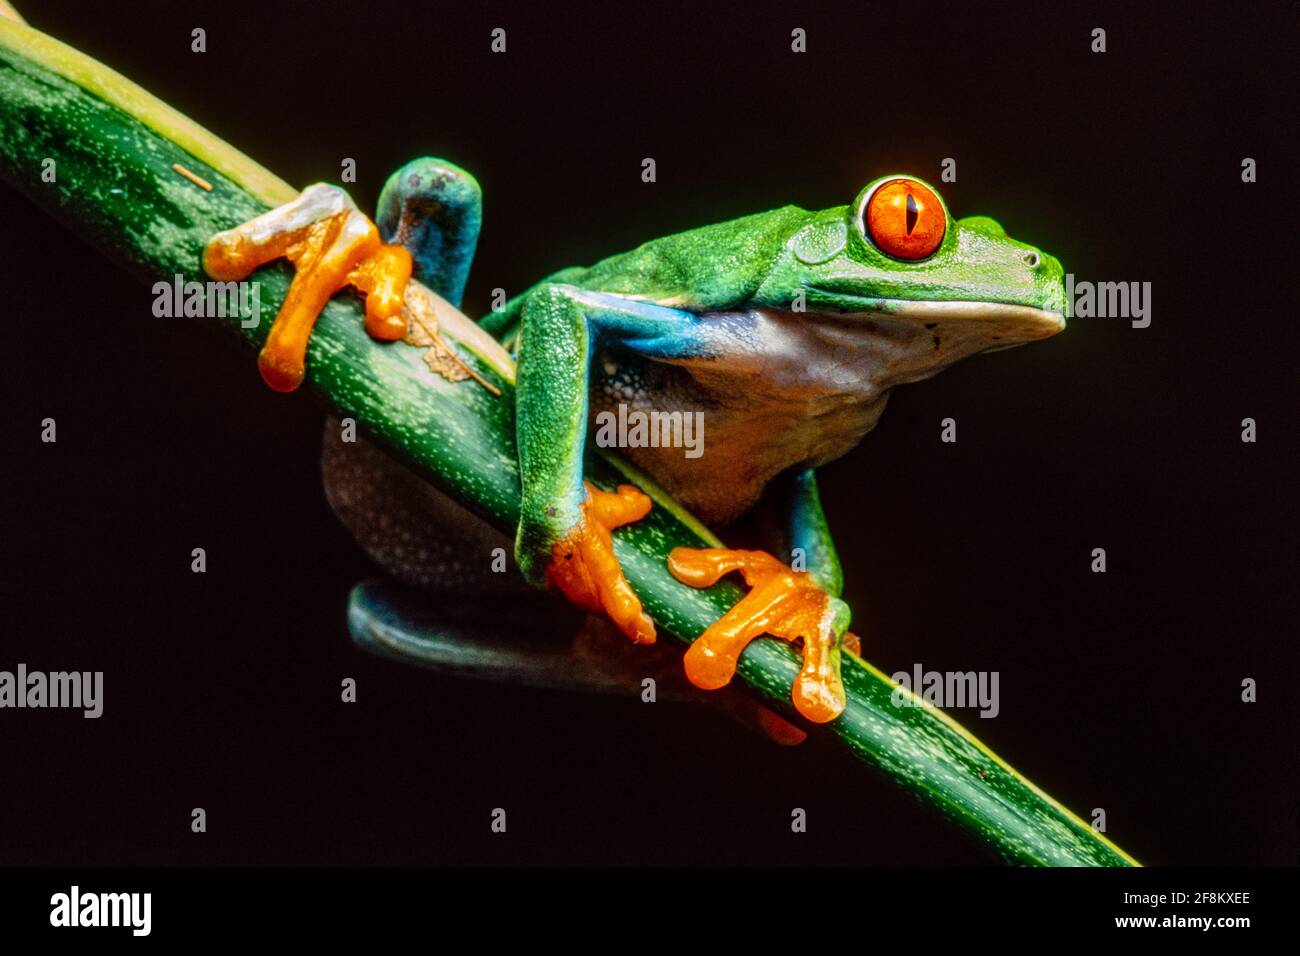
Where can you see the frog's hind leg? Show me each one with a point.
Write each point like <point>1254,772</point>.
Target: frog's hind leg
<point>430,545</point>
<point>433,209</point>
<point>418,535</point>
<point>453,601</point>
<point>443,606</point>
<point>331,245</point>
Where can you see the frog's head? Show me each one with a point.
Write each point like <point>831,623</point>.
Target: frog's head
<point>904,273</point>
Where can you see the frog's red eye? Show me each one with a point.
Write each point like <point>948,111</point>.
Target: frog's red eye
<point>905,219</point>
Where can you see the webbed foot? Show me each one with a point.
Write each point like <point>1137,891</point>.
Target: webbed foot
<point>583,566</point>
<point>782,603</point>
<point>331,245</point>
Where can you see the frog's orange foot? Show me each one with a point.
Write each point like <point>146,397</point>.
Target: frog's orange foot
<point>783,603</point>
<point>331,245</point>
<point>584,568</point>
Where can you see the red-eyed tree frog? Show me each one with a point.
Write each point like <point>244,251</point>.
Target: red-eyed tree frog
<point>784,331</point>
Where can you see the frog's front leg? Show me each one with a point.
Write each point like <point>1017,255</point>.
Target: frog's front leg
<point>795,605</point>
<point>807,535</point>
<point>564,523</point>
<point>331,245</point>
<point>808,538</point>
<point>782,603</point>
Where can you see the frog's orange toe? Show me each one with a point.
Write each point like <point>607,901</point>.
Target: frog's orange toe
<point>383,276</point>
<point>331,245</point>
<point>783,603</point>
<point>583,566</point>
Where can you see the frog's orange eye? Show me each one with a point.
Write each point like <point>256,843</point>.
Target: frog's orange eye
<point>905,219</point>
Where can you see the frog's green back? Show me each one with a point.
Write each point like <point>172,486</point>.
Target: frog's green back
<point>717,265</point>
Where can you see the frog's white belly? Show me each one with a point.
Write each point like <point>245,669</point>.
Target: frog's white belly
<point>784,390</point>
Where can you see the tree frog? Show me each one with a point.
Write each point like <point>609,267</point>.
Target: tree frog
<point>783,331</point>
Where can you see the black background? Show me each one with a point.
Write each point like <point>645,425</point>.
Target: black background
<point>1119,691</point>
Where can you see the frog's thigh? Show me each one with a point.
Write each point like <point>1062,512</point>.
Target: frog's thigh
<point>413,531</point>
<point>433,209</point>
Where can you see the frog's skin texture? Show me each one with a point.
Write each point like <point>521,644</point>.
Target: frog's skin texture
<point>786,329</point>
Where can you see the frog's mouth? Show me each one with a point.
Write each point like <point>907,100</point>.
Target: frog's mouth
<point>988,326</point>
<point>1007,323</point>
<point>902,341</point>
<point>998,324</point>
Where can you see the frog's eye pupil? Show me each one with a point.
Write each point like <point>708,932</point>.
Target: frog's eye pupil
<point>904,219</point>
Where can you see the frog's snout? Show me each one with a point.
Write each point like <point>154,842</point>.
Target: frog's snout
<point>1039,279</point>
<point>1049,281</point>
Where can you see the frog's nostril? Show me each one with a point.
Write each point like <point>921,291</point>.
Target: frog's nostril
<point>1032,259</point>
